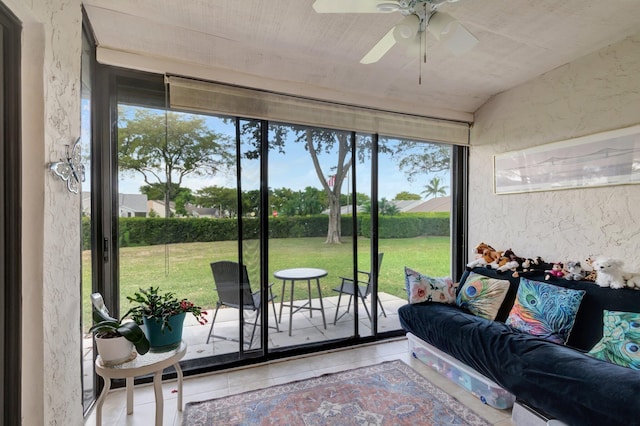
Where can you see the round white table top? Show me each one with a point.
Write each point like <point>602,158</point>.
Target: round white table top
<point>142,364</point>
<point>300,273</point>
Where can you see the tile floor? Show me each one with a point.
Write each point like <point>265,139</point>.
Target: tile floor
<point>229,382</point>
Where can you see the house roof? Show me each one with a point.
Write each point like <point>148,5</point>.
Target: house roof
<point>133,202</point>
<point>439,204</point>
<point>285,46</point>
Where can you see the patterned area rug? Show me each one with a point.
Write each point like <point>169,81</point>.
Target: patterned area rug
<point>390,393</point>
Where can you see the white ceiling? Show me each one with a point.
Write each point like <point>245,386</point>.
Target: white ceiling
<point>283,45</point>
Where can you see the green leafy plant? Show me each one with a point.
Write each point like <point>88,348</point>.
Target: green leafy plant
<point>152,304</point>
<point>108,327</point>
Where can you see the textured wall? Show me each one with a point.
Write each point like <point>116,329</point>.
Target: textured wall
<point>51,46</point>
<point>593,94</point>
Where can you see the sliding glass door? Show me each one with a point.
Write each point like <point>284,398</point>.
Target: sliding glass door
<point>188,205</point>
<point>292,237</point>
<point>310,236</point>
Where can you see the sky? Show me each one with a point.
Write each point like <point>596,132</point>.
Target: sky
<point>293,170</point>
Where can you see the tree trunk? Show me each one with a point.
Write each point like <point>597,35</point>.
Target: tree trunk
<point>167,197</point>
<point>334,231</point>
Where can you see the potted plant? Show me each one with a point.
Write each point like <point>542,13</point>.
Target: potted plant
<point>163,316</point>
<point>115,339</point>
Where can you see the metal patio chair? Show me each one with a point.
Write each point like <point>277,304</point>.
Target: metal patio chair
<point>226,276</point>
<point>364,289</point>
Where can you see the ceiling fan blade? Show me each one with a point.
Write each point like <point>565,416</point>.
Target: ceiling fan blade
<point>382,47</point>
<point>346,6</point>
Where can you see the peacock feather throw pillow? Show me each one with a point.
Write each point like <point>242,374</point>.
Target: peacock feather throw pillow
<point>545,310</point>
<point>482,296</point>
<point>620,343</point>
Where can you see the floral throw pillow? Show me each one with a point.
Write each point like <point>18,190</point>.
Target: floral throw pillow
<point>545,310</point>
<point>482,296</point>
<point>422,288</point>
<point>620,343</point>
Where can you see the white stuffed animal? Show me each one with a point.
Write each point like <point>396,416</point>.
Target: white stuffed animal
<point>633,280</point>
<point>609,272</point>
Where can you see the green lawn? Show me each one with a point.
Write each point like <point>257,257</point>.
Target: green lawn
<point>184,268</point>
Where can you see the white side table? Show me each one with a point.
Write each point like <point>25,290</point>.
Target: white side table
<point>151,362</point>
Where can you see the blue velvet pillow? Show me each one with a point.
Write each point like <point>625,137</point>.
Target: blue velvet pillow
<point>620,343</point>
<point>482,295</point>
<point>545,310</point>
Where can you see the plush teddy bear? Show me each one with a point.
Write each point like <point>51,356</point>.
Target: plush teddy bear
<point>609,272</point>
<point>574,271</point>
<point>557,270</point>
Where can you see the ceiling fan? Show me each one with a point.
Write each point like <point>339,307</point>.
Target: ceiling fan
<point>419,15</point>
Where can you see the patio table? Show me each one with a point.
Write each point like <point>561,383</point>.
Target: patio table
<point>301,274</point>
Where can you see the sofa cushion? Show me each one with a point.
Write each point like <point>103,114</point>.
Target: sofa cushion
<point>545,310</point>
<point>422,288</point>
<point>482,295</point>
<point>620,343</point>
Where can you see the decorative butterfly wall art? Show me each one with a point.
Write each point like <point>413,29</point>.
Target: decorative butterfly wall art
<point>70,169</point>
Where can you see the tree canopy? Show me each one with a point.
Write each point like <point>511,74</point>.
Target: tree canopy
<point>316,141</point>
<point>424,158</point>
<point>405,195</point>
<point>166,147</point>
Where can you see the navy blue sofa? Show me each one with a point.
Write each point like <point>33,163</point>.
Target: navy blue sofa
<point>559,381</point>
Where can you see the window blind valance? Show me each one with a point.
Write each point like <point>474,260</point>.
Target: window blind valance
<point>215,98</point>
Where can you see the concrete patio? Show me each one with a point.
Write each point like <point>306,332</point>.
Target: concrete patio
<point>305,329</point>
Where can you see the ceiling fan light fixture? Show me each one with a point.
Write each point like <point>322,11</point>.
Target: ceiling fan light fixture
<point>440,24</point>
<point>406,29</point>
<point>451,33</point>
<point>413,47</point>
<point>388,7</point>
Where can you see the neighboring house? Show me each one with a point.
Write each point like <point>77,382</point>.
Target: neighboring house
<point>158,207</point>
<point>202,211</point>
<point>438,204</point>
<point>132,205</point>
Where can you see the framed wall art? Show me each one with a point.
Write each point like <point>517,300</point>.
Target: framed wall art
<point>608,158</point>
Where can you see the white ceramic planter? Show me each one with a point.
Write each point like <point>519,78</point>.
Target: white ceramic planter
<point>115,350</point>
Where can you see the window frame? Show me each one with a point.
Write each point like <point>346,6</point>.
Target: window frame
<point>11,219</point>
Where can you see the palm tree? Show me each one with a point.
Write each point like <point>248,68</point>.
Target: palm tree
<point>433,189</point>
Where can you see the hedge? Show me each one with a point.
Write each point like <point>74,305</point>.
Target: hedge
<point>142,231</point>
<point>408,225</point>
